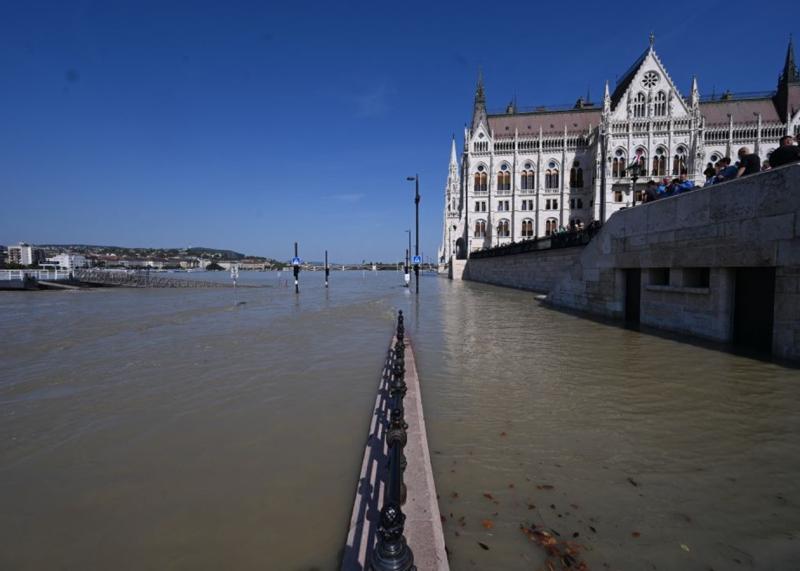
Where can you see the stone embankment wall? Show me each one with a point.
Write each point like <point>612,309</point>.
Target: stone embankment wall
<point>752,222</point>
<point>534,271</point>
<point>685,256</point>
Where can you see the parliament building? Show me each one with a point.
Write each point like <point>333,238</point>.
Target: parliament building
<point>525,173</point>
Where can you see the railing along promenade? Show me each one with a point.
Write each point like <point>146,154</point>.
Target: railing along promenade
<point>382,534</point>
<point>568,239</point>
<point>21,275</point>
<point>144,279</point>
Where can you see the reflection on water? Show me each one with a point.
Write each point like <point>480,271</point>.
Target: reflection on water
<point>660,454</point>
<point>153,429</point>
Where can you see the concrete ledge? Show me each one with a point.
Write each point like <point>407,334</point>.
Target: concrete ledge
<point>423,521</point>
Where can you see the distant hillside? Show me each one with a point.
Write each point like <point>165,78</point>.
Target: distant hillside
<point>199,251</point>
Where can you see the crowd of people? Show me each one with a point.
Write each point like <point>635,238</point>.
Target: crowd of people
<point>725,170</point>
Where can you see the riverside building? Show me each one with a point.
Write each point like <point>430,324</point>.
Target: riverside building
<point>524,173</point>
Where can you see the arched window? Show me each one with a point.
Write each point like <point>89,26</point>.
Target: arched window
<point>641,158</point>
<point>480,229</point>
<point>660,107</point>
<point>639,105</point>
<point>619,163</point>
<point>527,228</point>
<point>576,175</point>
<point>527,179</point>
<point>679,162</point>
<point>481,180</point>
<point>504,178</point>
<point>660,162</point>
<point>551,179</point>
<point>502,229</point>
<point>550,226</point>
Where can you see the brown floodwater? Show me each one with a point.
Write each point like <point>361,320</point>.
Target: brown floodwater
<point>185,429</point>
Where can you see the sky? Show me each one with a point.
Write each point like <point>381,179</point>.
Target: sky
<point>252,125</point>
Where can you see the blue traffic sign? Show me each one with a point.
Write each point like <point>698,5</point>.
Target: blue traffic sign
<point>296,261</point>
<point>416,260</point>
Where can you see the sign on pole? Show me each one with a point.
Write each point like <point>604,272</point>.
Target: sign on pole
<point>416,260</point>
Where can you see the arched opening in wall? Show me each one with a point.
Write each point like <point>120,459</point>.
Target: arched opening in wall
<point>481,179</point>
<point>550,226</point>
<point>480,229</point>
<point>461,250</point>
<point>527,178</point>
<point>503,229</point>
<point>639,105</point>
<point>619,163</point>
<point>576,175</point>
<point>660,104</point>
<point>679,162</point>
<point>551,179</point>
<point>504,178</point>
<point>527,228</point>
<point>660,162</point>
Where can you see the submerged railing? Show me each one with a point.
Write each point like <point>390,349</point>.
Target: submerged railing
<point>392,552</point>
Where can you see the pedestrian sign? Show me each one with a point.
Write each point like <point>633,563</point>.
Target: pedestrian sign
<point>296,261</point>
<point>416,260</point>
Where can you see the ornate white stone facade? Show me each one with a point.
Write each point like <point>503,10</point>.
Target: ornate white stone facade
<point>524,173</point>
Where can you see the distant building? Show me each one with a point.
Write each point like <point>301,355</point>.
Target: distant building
<point>3,254</point>
<point>525,173</point>
<point>24,254</point>
<point>68,261</point>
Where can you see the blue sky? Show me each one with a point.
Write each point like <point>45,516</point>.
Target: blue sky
<point>249,125</point>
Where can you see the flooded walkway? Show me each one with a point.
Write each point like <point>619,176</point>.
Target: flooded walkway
<point>183,429</point>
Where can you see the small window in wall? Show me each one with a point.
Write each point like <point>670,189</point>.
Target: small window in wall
<point>659,276</point>
<point>617,196</point>
<point>696,277</point>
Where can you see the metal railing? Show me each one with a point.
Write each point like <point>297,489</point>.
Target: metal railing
<point>392,552</point>
<point>21,275</point>
<point>567,239</point>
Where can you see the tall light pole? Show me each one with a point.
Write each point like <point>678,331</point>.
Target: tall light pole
<point>415,178</point>
<point>407,265</point>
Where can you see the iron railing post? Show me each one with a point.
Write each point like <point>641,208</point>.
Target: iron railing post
<point>392,552</point>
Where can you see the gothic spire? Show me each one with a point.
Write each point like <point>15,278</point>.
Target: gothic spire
<point>479,107</point>
<point>606,101</point>
<point>453,159</point>
<point>694,99</point>
<point>790,73</point>
<point>652,41</point>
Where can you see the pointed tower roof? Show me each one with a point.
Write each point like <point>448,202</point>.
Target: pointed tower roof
<point>479,107</point>
<point>694,98</point>
<point>790,73</point>
<point>606,100</point>
<point>453,159</point>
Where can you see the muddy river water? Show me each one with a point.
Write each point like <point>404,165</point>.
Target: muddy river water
<point>213,429</point>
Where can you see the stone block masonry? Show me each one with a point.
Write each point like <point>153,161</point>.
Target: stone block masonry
<point>535,271</point>
<point>708,263</point>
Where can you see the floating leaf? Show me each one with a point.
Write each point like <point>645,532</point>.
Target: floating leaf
<point>487,523</point>
<point>531,507</point>
<point>592,528</point>
<point>684,547</point>
<point>488,496</point>
<point>483,546</point>
<point>636,534</point>
<point>633,482</point>
<point>545,487</point>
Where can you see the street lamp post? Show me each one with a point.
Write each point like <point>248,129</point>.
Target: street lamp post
<point>415,178</point>
<point>634,169</point>
<point>407,267</point>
